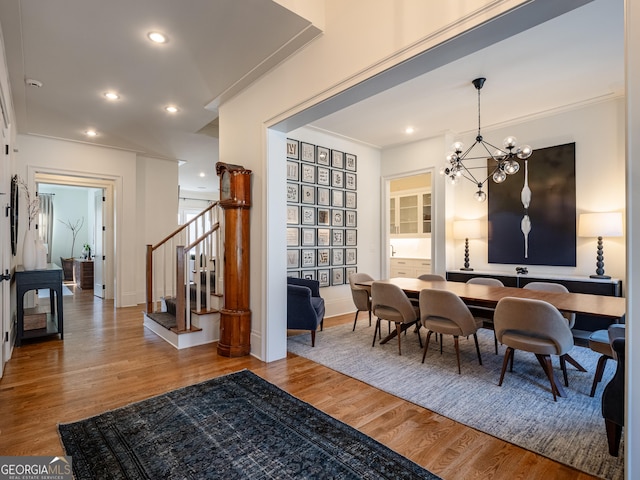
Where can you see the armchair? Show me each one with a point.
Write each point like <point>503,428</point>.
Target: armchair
<point>305,306</point>
<point>613,394</point>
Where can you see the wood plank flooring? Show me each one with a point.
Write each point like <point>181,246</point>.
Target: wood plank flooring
<point>108,359</point>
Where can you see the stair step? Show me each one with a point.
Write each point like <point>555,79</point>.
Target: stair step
<point>190,330</point>
<point>204,311</point>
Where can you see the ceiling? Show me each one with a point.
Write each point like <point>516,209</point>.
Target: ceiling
<point>80,49</point>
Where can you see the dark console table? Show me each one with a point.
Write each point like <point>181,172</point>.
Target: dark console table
<point>51,278</point>
<point>585,324</point>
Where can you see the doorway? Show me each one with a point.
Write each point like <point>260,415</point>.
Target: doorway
<point>86,202</point>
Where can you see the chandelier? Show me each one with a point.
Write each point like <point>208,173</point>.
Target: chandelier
<point>505,157</point>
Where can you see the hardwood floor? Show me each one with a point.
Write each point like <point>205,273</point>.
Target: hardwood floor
<point>108,359</point>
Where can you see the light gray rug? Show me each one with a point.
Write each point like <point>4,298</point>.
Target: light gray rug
<point>522,411</point>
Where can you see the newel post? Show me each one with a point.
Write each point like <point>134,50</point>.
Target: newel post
<point>235,316</point>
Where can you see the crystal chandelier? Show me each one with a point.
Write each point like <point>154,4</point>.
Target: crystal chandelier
<point>505,158</point>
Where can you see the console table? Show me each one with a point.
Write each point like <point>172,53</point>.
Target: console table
<point>51,278</point>
<point>585,324</point>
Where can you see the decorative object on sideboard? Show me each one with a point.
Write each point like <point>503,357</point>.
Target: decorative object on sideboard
<point>86,251</point>
<point>522,270</point>
<point>606,224</point>
<point>505,158</point>
<point>467,229</point>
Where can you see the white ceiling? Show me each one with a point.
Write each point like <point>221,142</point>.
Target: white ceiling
<point>79,49</point>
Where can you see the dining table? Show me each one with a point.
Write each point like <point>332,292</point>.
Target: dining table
<point>613,308</point>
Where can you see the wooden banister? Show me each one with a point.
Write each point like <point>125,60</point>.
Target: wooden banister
<point>183,227</point>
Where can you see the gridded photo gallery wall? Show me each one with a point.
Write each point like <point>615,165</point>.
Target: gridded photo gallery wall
<point>322,217</point>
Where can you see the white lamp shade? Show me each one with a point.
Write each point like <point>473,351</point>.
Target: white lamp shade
<point>467,229</point>
<point>607,224</point>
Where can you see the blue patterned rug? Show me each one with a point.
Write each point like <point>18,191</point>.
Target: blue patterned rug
<point>234,427</point>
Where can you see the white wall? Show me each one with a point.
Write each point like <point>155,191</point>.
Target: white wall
<point>338,299</point>
<point>597,130</point>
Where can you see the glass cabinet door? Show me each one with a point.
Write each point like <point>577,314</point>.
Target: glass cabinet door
<point>393,221</point>
<point>408,214</point>
<point>426,213</point>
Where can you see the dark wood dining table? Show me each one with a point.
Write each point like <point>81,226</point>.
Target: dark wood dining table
<point>484,295</point>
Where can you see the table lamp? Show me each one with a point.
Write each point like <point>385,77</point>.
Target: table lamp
<point>608,224</point>
<point>466,229</point>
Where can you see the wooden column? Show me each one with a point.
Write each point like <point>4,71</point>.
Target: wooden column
<point>235,316</point>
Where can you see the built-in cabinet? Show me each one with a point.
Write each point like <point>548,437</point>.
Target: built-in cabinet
<point>410,214</point>
<point>409,267</point>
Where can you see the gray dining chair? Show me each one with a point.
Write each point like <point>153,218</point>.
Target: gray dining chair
<point>445,313</point>
<point>533,326</point>
<point>361,295</point>
<point>431,277</point>
<point>390,303</point>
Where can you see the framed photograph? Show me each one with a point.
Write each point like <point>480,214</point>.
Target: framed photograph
<point>324,258</point>
<point>324,176</point>
<point>308,258</point>
<point>351,199</point>
<point>308,216</point>
<point>324,197</point>
<point>308,173</point>
<point>337,159</point>
<point>323,156</point>
<point>337,178</point>
<point>337,256</point>
<point>293,215</point>
<point>308,237</point>
<point>350,162</point>
<point>292,148</point>
<point>351,218</point>
<point>337,237</point>
<point>337,218</point>
<point>324,237</point>
<point>293,237</point>
<point>307,152</point>
<point>350,181</point>
<point>337,276</point>
<point>293,258</point>
<point>350,256</point>
<point>348,271</point>
<point>293,194</point>
<point>308,274</point>
<point>351,238</point>
<point>323,277</point>
<point>293,171</point>
<point>324,216</point>
<point>293,273</point>
<point>308,194</point>
<point>337,198</point>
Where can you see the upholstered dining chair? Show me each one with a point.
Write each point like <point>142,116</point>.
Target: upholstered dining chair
<point>390,303</point>
<point>486,313</point>
<point>599,342</point>
<point>431,277</point>
<point>445,313</point>
<point>361,295</point>
<point>533,326</point>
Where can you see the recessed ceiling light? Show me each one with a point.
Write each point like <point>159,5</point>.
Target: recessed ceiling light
<point>201,174</point>
<point>171,109</point>
<point>157,37</point>
<point>91,133</point>
<point>112,95</point>
<point>409,130</point>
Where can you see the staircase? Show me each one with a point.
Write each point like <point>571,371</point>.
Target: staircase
<point>183,295</point>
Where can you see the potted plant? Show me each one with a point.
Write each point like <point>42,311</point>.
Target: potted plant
<point>67,263</point>
<point>86,251</point>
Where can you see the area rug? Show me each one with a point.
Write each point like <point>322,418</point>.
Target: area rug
<point>234,427</point>
<point>521,411</point>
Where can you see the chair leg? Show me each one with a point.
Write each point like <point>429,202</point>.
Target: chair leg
<point>375,332</point>
<point>495,341</point>
<point>545,362</point>
<point>369,317</point>
<point>563,367</point>
<point>399,331</point>
<point>313,338</point>
<point>614,433</point>
<point>602,362</point>
<point>475,337</point>
<point>418,325</point>
<point>508,354</point>
<point>574,362</point>
<point>426,345</point>
<point>457,346</point>
<point>356,319</point>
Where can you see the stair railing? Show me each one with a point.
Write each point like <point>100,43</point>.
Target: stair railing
<point>169,266</point>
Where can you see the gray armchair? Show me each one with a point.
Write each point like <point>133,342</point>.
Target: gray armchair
<point>305,306</point>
